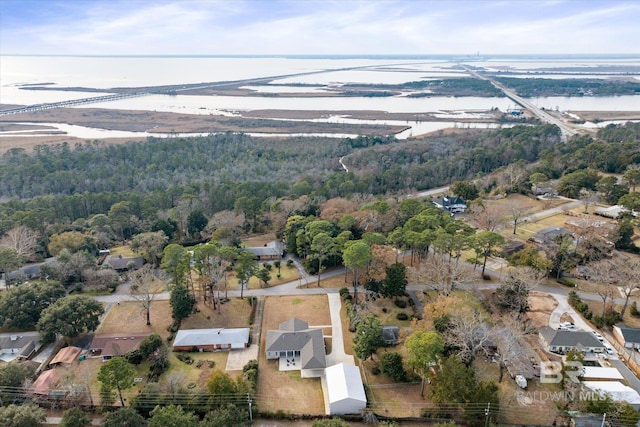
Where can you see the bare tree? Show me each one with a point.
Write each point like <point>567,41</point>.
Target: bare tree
<point>489,217</point>
<point>469,334</point>
<point>445,276</point>
<point>605,275</point>
<point>588,197</point>
<point>629,270</point>
<point>507,337</point>
<point>593,237</point>
<point>623,273</point>
<point>517,213</point>
<point>143,288</point>
<point>513,294</point>
<point>23,239</point>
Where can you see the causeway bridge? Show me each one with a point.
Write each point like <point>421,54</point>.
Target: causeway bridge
<point>72,102</point>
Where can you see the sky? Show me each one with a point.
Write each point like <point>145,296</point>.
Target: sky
<point>310,27</point>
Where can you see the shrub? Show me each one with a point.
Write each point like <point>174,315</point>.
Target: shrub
<point>267,266</point>
<point>185,358</point>
<point>289,263</point>
<point>400,303</point>
<point>384,309</point>
<point>375,370</point>
<point>402,316</point>
<point>344,292</point>
<point>174,326</point>
<point>566,282</point>
<point>134,357</point>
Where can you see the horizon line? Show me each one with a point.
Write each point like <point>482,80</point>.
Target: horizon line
<point>337,55</point>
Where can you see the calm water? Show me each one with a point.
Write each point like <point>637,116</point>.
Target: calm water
<point>108,72</point>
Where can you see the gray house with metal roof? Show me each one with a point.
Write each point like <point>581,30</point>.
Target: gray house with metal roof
<point>628,337</point>
<point>564,341</point>
<point>299,345</point>
<point>269,252</point>
<point>19,345</point>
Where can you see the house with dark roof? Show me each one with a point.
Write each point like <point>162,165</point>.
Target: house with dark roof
<point>450,203</point>
<point>302,347</point>
<point>30,271</point>
<point>557,341</point>
<point>272,251</point>
<point>120,263</point>
<point>211,339</point>
<point>628,337</point>
<point>390,334</point>
<point>111,345</point>
<point>19,345</point>
<point>549,235</point>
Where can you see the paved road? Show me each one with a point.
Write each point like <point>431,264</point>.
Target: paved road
<point>567,131</point>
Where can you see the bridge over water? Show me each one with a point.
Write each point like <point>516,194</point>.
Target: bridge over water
<point>72,102</point>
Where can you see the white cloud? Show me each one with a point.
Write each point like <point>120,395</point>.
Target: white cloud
<point>329,27</point>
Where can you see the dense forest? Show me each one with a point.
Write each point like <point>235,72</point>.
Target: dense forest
<point>52,188</point>
<point>531,87</point>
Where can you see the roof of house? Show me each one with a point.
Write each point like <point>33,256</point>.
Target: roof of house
<point>117,344</point>
<point>43,384</point>
<point>448,201</point>
<point>295,335</point>
<point>67,355</point>
<point>610,212</point>
<point>344,382</point>
<point>18,339</point>
<point>602,373</point>
<point>630,335</point>
<point>390,333</point>
<point>548,234</point>
<point>118,262</point>
<point>196,337</point>
<point>615,389</point>
<point>274,248</point>
<point>579,339</point>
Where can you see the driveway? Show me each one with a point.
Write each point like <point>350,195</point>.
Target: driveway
<point>337,354</point>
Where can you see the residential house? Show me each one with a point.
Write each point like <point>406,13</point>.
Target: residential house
<point>450,203</point>
<point>299,345</point>
<point>344,390</point>
<point>31,271</point>
<point>211,339</point>
<point>557,341</point>
<point>111,345</point>
<point>390,334</point>
<point>549,235</point>
<point>628,337</point>
<point>19,345</point>
<point>120,263</point>
<point>272,251</point>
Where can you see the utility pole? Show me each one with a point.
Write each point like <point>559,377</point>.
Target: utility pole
<point>249,401</point>
<point>486,415</point>
<point>604,417</point>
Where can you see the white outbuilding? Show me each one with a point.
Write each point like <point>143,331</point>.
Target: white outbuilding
<point>617,391</point>
<point>344,390</point>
